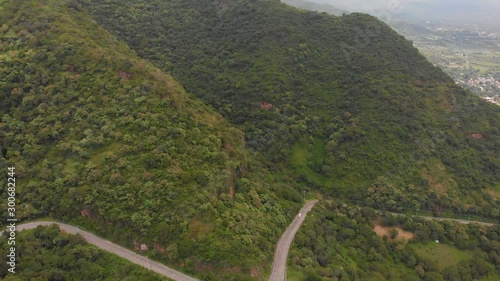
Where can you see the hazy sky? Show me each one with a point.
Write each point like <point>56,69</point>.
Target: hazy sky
<point>464,10</point>
<point>388,4</point>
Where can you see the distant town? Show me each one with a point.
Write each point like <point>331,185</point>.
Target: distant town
<point>486,85</point>
<point>470,54</point>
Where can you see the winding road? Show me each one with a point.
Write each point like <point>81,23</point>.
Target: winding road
<point>442,219</point>
<point>281,252</point>
<point>115,249</point>
<point>279,263</point>
<point>458,220</point>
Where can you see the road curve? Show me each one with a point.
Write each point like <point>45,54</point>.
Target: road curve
<point>281,252</point>
<point>115,249</point>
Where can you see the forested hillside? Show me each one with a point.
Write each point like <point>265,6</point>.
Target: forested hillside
<point>274,101</point>
<point>102,139</point>
<point>344,104</point>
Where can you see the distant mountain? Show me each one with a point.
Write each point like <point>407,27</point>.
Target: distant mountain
<point>313,6</point>
<point>341,104</point>
<point>482,12</point>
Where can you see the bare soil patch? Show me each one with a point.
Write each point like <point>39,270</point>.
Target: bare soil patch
<point>494,194</point>
<point>402,235</point>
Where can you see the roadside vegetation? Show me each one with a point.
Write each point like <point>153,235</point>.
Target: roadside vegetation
<point>339,242</point>
<point>46,253</point>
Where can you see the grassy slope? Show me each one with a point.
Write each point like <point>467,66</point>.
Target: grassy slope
<point>91,127</point>
<point>304,154</point>
<point>442,255</point>
<point>381,108</point>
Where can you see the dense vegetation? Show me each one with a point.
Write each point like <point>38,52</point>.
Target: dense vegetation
<point>337,242</point>
<point>102,139</point>
<point>342,103</point>
<point>46,253</point>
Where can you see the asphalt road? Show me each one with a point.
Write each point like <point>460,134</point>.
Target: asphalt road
<point>444,219</point>
<point>281,252</point>
<point>457,220</point>
<point>115,249</point>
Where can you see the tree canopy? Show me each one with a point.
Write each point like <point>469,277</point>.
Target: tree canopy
<point>335,101</point>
